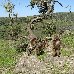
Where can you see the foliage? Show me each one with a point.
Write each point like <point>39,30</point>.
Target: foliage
<point>10,31</point>
<point>49,29</point>
<point>65,52</point>
<point>68,40</point>
<point>7,54</point>
<point>21,24</point>
<point>15,30</point>
<point>22,45</point>
<point>9,7</point>
<point>42,57</point>
<point>44,5</point>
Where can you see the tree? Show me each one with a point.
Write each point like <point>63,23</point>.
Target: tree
<point>9,7</point>
<point>45,6</point>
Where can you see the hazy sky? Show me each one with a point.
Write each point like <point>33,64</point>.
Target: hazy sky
<point>22,10</point>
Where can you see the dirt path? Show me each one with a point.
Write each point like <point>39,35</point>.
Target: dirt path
<point>30,65</point>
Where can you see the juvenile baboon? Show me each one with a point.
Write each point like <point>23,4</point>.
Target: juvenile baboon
<point>31,46</point>
<point>33,41</point>
<point>41,45</point>
<point>36,46</point>
<point>56,45</point>
<point>39,48</point>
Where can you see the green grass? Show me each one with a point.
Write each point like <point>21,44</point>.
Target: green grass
<point>65,52</point>
<point>7,54</point>
<point>68,40</point>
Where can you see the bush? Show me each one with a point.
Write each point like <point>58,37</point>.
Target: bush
<point>49,29</point>
<point>10,31</point>
<point>22,47</point>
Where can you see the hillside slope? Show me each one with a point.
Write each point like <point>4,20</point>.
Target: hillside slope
<point>13,62</point>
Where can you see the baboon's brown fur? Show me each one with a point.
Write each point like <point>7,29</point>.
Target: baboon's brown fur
<point>36,45</point>
<point>56,45</point>
<point>41,45</point>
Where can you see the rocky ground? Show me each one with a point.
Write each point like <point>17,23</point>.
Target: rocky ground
<point>48,65</point>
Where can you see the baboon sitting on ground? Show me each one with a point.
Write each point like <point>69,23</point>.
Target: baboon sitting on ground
<point>56,45</point>
<point>41,45</point>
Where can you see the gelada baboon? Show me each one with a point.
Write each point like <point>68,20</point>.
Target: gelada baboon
<point>56,45</point>
<point>39,47</point>
<point>32,46</point>
<point>42,44</point>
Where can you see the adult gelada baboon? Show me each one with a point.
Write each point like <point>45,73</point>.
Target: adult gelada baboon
<point>56,45</point>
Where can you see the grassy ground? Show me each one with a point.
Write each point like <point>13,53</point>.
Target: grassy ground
<point>9,55</point>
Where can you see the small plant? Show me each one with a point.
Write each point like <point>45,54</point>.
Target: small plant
<point>42,57</point>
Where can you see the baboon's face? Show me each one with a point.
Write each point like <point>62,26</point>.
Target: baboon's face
<point>33,41</point>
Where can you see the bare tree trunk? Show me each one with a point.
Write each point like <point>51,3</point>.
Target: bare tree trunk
<point>31,34</point>
<point>9,15</point>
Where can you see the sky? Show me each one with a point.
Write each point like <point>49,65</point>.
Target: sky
<point>22,10</point>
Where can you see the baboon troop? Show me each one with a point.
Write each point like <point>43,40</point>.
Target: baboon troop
<point>36,46</point>
<point>56,45</point>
